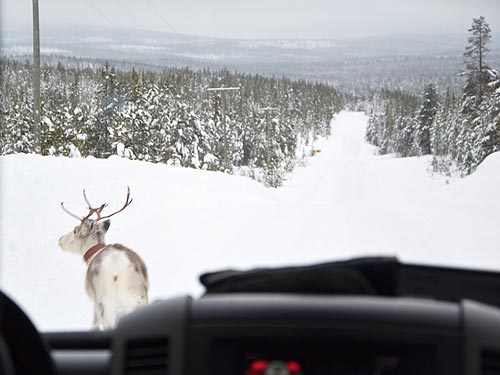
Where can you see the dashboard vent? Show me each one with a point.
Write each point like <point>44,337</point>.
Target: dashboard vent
<point>147,357</point>
<point>490,363</point>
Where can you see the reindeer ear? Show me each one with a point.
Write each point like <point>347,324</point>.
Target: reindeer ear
<point>106,224</point>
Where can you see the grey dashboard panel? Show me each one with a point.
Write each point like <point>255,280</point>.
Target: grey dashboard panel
<point>217,334</point>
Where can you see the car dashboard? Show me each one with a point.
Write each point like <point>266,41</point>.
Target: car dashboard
<point>270,334</point>
<point>426,320</point>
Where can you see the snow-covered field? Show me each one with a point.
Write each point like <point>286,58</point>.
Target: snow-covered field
<point>347,202</point>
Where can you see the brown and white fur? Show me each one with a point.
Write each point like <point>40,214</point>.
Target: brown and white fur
<point>116,280</point>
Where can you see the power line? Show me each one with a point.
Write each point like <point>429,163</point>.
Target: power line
<point>106,18</point>
<point>163,18</point>
<point>132,16</point>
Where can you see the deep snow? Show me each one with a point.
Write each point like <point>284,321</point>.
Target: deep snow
<point>347,202</point>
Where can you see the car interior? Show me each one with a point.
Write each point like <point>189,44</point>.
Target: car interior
<point>390,318</point>
<point>106,100</point>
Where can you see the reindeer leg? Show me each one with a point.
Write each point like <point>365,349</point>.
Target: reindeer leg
<point>98,316</point>
<point>95,324</point>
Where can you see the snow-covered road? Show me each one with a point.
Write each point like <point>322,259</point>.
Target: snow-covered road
<point>355,202</point>
<point>346,202</point>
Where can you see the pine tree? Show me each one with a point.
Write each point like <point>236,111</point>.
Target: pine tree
<point>427,115</point>
<point>473,139</point>
<point>476,67</point>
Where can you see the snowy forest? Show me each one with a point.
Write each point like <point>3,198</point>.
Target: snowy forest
<point>262,130</point>
<point>458,128</point>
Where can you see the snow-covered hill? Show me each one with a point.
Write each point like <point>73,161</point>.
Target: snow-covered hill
<point>347,202</point>
<point>403,61</point>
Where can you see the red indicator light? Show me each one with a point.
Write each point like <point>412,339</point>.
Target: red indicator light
<point>259,365</point>
<point>277,367</point>
<point>293,367</point>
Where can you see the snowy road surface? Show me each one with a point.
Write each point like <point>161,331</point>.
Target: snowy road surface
<point>347,202</point>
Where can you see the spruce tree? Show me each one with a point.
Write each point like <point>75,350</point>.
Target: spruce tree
<point>107,107</point>
<point>493,129</point>
<point>427,115</point>
<point>166,117</point>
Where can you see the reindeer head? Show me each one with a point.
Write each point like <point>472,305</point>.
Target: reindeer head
<point>89,232</point>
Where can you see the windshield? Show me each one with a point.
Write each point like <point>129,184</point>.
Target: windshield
<point>249,134</point>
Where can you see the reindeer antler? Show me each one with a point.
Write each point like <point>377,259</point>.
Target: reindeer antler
<point>127,203</point>
<point>93,210</point>
<point>69,212</point>
<point>98,210</point>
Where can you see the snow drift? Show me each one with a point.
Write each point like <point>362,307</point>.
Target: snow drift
<point>347,202</point>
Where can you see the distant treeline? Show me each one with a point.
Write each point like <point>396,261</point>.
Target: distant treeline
<point>167,117</point>
<point>459,128</point>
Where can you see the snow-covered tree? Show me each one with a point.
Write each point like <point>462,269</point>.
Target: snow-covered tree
<point>459,133</point>
<point>490,109</point>
<point>108,102</point>
<point>474,120</point>
<point>475,59</point>
<point>427,115</point>
<point>166,116</point>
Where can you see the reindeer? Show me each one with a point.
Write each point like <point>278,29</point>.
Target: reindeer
<point>117,278</point>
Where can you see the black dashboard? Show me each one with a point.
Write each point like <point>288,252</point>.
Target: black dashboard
<point>292,334</point>
<point>269,334</point>
<point>243,333</point>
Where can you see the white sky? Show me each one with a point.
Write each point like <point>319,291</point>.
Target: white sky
<point>262,18</point>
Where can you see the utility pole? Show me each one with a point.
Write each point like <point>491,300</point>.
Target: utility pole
<point>36,76</point>
<point>222,91</point>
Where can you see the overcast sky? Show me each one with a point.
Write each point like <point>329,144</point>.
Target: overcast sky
<point>260,18</point>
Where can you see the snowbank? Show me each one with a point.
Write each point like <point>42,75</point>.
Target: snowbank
<point>347,202</point>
